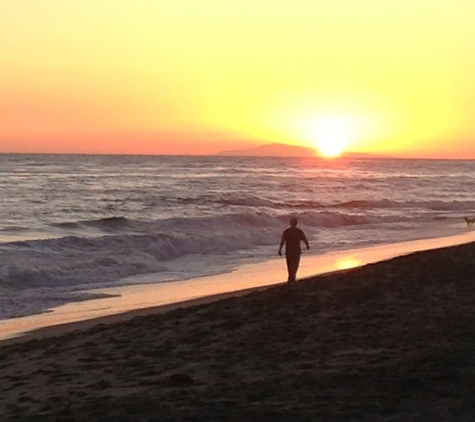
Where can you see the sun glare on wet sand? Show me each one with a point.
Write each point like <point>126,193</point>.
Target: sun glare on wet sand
<point>347,263</point>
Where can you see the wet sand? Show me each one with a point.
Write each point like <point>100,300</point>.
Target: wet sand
<point>391,341</point>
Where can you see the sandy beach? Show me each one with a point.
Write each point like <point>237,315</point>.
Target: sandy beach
<point>390,341</point>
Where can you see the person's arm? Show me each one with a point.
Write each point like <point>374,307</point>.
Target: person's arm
<point>305,241</point>
<point>282,242</point>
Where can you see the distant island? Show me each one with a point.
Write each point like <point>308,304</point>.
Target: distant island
<point>284,150</point>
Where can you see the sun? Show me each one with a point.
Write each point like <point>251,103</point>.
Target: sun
<point>331,135</point>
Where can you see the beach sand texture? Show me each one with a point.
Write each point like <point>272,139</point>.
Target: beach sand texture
<point>391,341</point>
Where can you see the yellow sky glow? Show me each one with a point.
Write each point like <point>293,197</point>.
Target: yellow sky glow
<point>117,76</point>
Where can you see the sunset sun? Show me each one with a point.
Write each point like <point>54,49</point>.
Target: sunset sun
<point>331,135</point>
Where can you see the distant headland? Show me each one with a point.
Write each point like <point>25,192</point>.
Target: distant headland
<point>284,150</point>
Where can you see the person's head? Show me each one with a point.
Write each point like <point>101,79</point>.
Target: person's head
<point>293,222</point>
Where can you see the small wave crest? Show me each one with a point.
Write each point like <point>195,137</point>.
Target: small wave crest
<point>436,205</point>
<point>108,223</point>
<point>105,224</point>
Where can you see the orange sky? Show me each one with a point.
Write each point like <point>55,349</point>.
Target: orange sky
<point>187,76</point>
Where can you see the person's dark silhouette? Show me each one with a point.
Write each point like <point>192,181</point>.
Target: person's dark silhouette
<point>291,238</point>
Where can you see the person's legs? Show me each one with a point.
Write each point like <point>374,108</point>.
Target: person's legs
<point>292,267</point>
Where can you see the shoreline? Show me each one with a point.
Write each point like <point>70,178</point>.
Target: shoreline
<point>389,341</point>
<point>143,299</point>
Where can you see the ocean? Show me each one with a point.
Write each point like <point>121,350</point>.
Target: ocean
<point>70,223</point>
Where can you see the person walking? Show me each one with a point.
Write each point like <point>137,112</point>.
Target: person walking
<point>291,238</point>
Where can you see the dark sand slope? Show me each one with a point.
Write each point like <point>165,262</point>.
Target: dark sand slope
<point>393,341</point>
